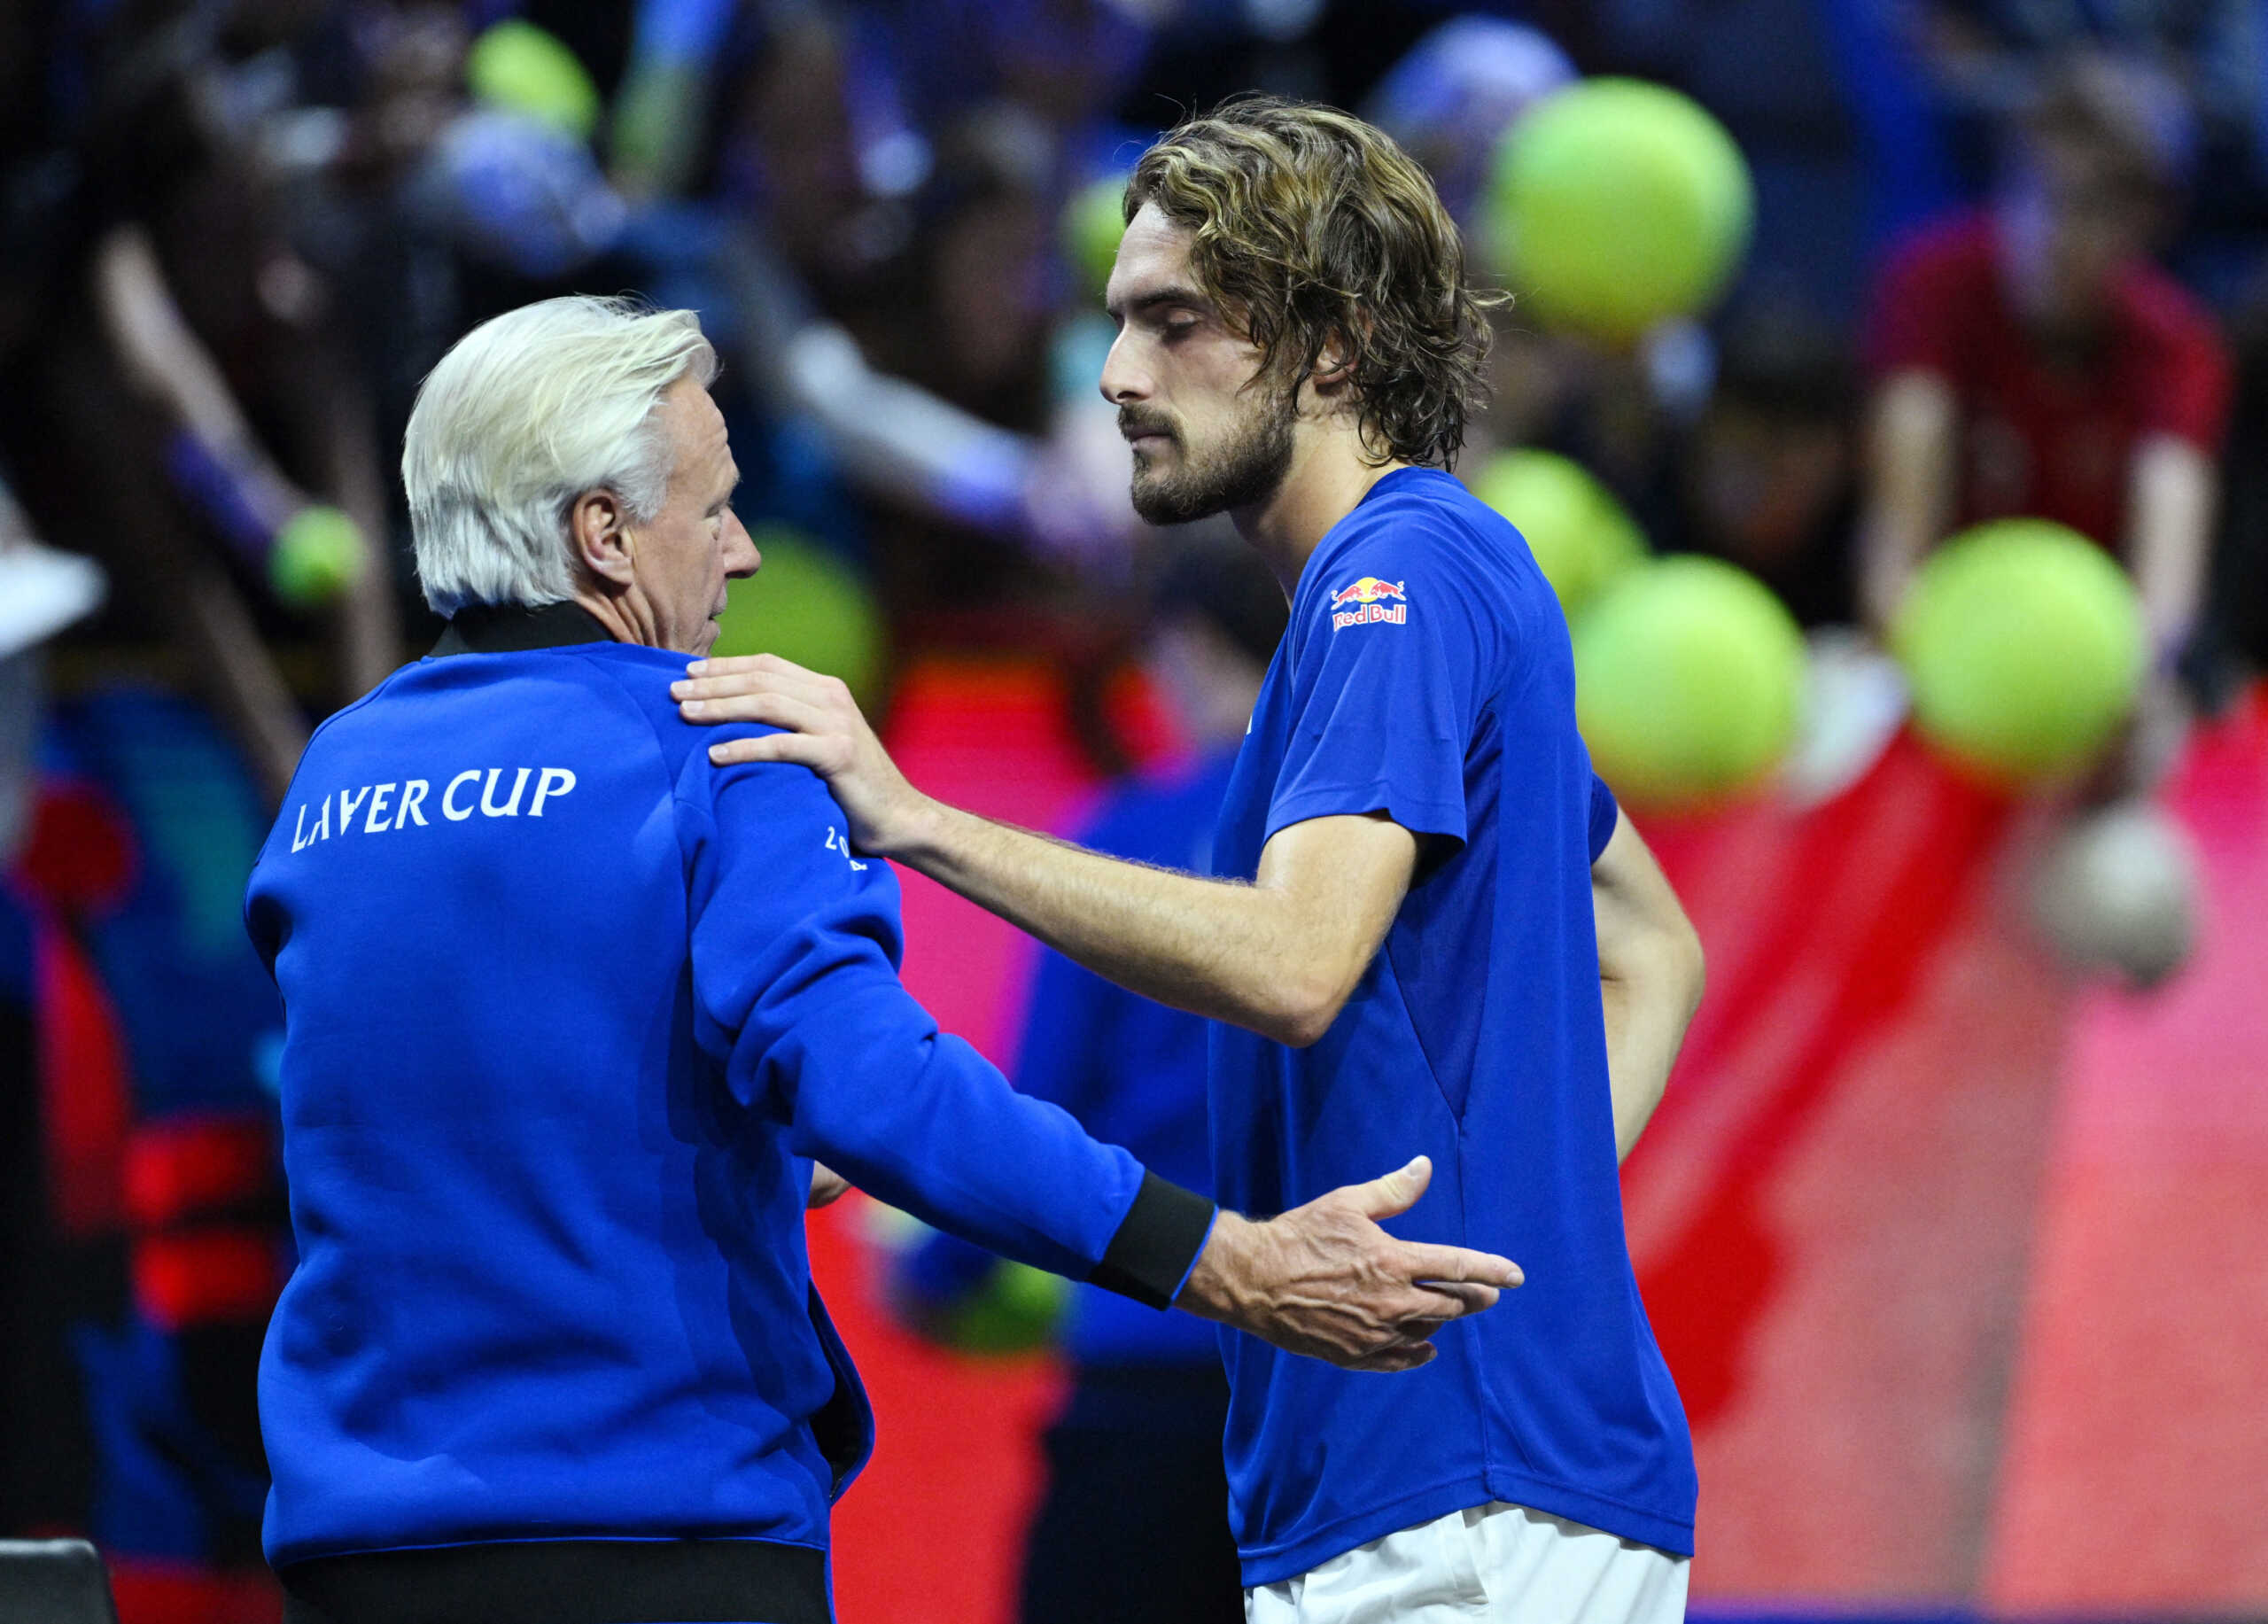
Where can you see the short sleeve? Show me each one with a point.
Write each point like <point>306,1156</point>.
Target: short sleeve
<point>1604,815</point>
<point>1389,658</point>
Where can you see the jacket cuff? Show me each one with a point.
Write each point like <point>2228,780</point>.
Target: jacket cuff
<point>1157,1245</point>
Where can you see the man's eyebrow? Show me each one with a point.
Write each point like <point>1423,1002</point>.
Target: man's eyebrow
<point>1175,294</point>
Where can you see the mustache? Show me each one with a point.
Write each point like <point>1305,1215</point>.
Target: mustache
<point>1132,421</point>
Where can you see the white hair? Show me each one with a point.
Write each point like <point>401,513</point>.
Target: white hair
<point>529,411</point>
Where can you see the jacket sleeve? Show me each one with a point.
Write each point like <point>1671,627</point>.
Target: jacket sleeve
<point>796,944</point>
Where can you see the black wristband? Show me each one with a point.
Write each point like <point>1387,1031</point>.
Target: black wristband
<point>1149,1255</point>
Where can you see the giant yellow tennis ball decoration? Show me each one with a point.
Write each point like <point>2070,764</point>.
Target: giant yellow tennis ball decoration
<point>806,605</point>
<point>1689,683</point>
<point>2025,646</point>
<point>521,68</point>
<point>1581,537</point>
<point>1615,203</point>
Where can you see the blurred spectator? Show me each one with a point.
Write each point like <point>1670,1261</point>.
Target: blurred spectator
<point>1982,57</point>
<point>2031,360</point>
<point>1133,1527</point>
<point>46,1455</point>
<point>1767,478</point>
<point>1066,61</point>
<point>797,136</point>
<point>182,333</point>
<point>1782,76</point>
<point>1450,99</point>
<point>969,318</point>
<point>429,209</point>
<point>1202,52</point>
<point>139,1249</point>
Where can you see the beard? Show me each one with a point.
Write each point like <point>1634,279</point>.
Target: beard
<point>1243,472</point>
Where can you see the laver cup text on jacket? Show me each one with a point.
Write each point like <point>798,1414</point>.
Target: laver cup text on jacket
<point>386,807</point>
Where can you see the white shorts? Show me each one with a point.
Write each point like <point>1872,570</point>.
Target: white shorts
<point>1493,1562</point>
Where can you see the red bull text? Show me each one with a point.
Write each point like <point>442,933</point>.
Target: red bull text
<point>1363,603</point>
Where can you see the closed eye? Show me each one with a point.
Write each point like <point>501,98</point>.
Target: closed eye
<point>1170,310</point>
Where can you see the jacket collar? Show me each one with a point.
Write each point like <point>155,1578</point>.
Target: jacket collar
<point>515,628</point>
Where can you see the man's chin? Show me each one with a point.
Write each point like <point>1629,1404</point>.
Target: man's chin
<point>1160,504</point>
<point>1151,511</point>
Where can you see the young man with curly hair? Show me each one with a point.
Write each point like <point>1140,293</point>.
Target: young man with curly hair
<point>1427,915</point>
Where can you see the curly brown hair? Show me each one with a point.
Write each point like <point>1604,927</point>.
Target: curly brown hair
<point>1311,226</point>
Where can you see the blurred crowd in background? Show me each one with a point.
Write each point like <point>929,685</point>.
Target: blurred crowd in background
<point>236,234</point>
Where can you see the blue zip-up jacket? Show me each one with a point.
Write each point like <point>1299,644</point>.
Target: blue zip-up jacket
<point>569,1011</point>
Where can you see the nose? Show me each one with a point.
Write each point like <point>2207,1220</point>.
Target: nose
<point>1123,379</point>
<point>742,559</point>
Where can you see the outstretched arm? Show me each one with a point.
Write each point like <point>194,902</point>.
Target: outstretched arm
<point>796,998</point>
<point>1649,975</point>
<point>1280,955</point>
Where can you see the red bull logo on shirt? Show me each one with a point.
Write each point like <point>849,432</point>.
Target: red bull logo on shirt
<point>1363,603</point>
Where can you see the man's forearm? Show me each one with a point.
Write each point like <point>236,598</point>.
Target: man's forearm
<point>1645,1026</point>
<point>1650,978</point>
<point>1215,947</point>
<point>1280,955</point>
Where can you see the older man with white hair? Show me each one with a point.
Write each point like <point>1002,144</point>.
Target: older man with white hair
<point>572,1014</point>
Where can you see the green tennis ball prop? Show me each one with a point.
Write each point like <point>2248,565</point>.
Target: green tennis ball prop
<point>317,556</point>
<point>1016,1310</point>
<point>1093,223</point>
<point>1581,537</point>
<point>2025,646</point>
<point>1615,203</point>
<point>521,68</point>
<point>1689,683</point>
<point>807,605</point>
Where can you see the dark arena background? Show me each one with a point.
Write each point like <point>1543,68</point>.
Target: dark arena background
<point>1953,1224</point>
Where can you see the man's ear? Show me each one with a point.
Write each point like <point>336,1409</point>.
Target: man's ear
<point>1334,365</point>
<point>600,524</point>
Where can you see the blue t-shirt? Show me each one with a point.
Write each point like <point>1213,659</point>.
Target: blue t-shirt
<point>1426,674</point>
